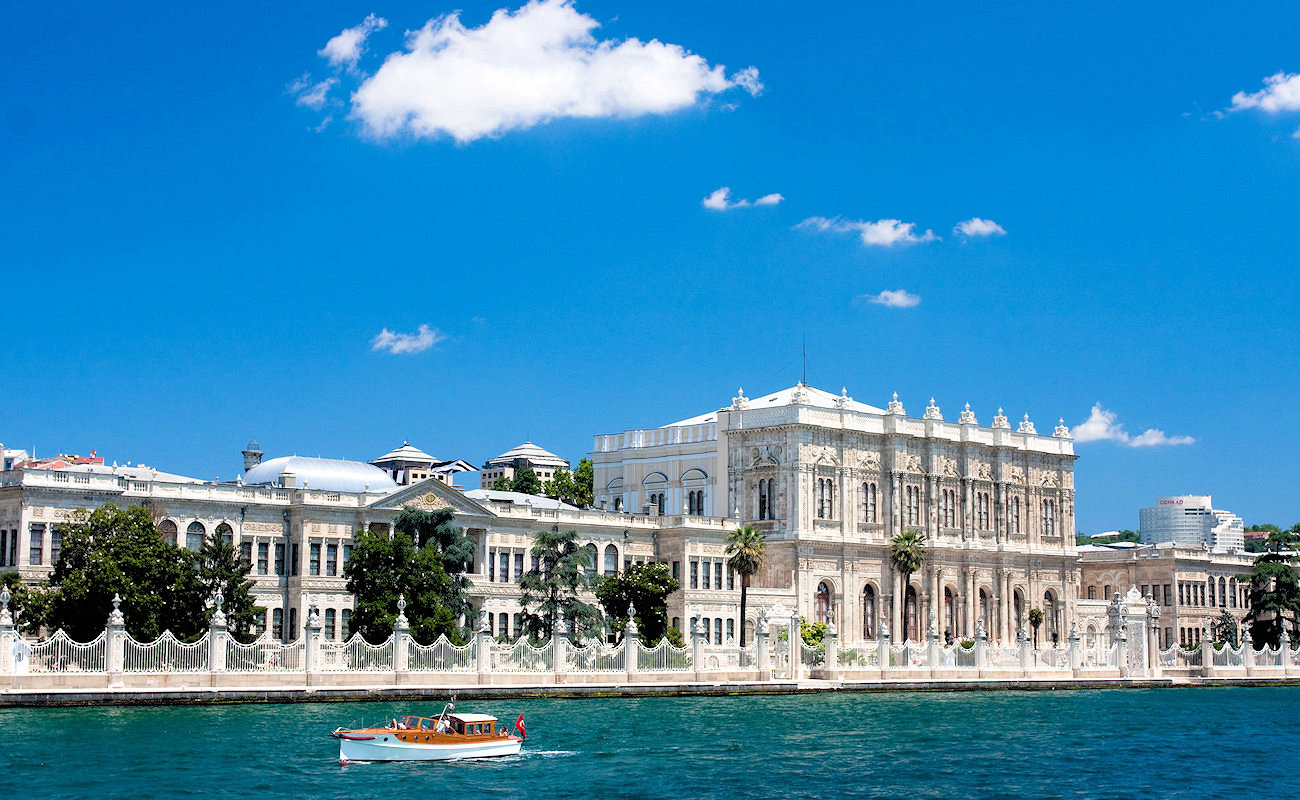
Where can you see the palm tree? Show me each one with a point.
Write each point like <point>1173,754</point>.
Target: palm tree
<point>747,547</point>
<point>1036,616</point>
<point>906,555</point>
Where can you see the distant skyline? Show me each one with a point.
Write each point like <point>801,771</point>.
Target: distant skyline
<point>338,226</point>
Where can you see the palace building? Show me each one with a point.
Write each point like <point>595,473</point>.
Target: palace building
<point>830,479</point>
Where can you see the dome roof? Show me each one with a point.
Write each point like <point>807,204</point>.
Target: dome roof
<point>326,474</point>
<point>531,453</point>
<point>406,453</point>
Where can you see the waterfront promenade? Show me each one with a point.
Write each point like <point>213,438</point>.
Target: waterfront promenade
<point>116,668</point>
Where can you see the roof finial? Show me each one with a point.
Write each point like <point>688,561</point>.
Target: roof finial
<point>968,416</point>
<point>932,411</point>
<point>896,407</point>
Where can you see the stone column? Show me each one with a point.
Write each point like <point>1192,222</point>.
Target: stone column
<point>1248,652</point>
<point>560,650</point>
<point>483,649</point>
<point>882,648</point>
<point>1026,652</point>
<point>7,633</point>
<point>1074,649</point>
<point>217,633</point>
<point>631,640</point>
<point>1153,637</point>
<point>311,649</point>
<point>401,643</point>
<point>762,651</point>
<point>981,646</point>
<point>114,644</point>
<point>697,649</point>
<point>832,644</point>
<point>932,654</point>
<point>796,647</point>
<point>1207,653</point>
<point>1285,645</point>
<point>897,603</point>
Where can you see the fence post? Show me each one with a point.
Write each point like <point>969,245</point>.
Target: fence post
<point>882,646</point>
<point>311,632</point>
<point>981,646</point>
<point>115,644</point>
<point>217,638</point>
<point>1026,651</point>
<point>932,656</point>
<point>1207,653</point>
<point>483,650</point>
<point>1285,650</point>
<point>832,642</point>
<point>560,646</point>
<point>1247,652</point>
<point>7,634</point>
<point>796,647</point>
<point>631,639</point>
<point>762,649</point>
<point>1074,648</point>
<point>1153,637</point>
<point>697,649</point>
<point>401,638</point>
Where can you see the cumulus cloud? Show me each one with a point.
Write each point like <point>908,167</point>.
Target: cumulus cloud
<point>720,200</point>
<point>401,343</point>
<point>309,93</point>
<point>526,67</point>
<point>881,233</point>
<point>1103,426</point>
<point>1281,92</point>
<point>345,49</point>
<point>894,298</point>
<point>979,227</point>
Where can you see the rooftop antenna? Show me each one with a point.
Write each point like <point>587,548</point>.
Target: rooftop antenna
<point>804,379</point>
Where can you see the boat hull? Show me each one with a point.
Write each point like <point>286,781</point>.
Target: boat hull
<point>385,747</point>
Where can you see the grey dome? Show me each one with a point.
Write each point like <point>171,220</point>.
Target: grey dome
<point>325,474</point>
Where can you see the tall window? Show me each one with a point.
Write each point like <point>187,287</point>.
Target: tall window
<point>313,565</point>
<point>37,550</point>
<point>277,623</point>
<point>766,498</point>
<point>1015,515</point>
<point>982,516</point>
<point>868,612</point>
<point>1049,517</point>
<point>331,559</point>
<point>1210,584</point>
<point>705,566</point>
<point>912,506</point>
<point>246,552</point>
<point>869,502</point>
<point>225,533</point>
<point>331,631</point>
<point>262,550</point>
<point>167,529</point>
<point>825,498</point>
<point>194,535</point>
<point>503,569</point>
<point>279,559</point>
<point>611,559</point>
<point>345,622</point>
<point>695,502</point>
<point>948,507</point>
<point>56,543</point>
<point>823,602</point>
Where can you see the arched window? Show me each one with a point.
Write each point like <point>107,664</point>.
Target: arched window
<point>1232,593</point>
<point>913,505</point>
<point>1051,616</point>
<point>823,602</point>
<point>868,612</point>
<point>869,502</point>
<point>225,533</point>
<point>503,625</point>
<point>948,507</point>
<point>911,624</point>
<point>167,529</point>
<point>1018,609</point>
<point>1049,517</point>
<point>1015,515</point>
<point>767,498</point>
<point>982,516</point>
<point>194,536</point>
<point>985,612</point>
<point>825,498</point>
<point>592,555</point>
<point>611,559</point>
<point>949,613</point>
<point>1210,590</point>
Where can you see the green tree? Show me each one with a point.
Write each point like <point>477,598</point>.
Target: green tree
<point>221,569</point>
<point>747,551</point>
<point>1036,617</point>
<point>553,586</point>
<point>384,567</point>
<point>115,550</point>
<point>503,484</point>
<point>812,633</point>
<point>561,487</point>
<point>645,587</point>
<point>437,529</point>
<point>907,553</point>
<point>526,481</point>
<point>1274,591</point>
<point>1266,527</point>
<point>1225,628</point>
<point>28,606</point>
<point>584,478</point>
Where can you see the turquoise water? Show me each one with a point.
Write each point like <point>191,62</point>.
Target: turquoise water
<point>1139,744</point>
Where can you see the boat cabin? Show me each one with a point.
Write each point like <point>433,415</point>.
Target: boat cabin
<point>459,724</point>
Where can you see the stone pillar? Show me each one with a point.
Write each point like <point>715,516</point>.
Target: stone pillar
<point>1285,645</point>
<point>897,602</point>
<point>762,648</point>
<point>832,644</point>
<point>1075,663</point>
<point>1207,653</point>
<point>631,643</point>
<point>115,644</point>
<point>1026,651</point>
<point>1153,637</point>
<point>981,646</point>
<point>697,649</point>
<point>882,648</point>
<point>559,652</point>
<point>217,633</point>
<point>311,649</point>
<point>401,643</point>
<point>1248,653</point>
<point>932,654</point>
<point>483,649</point>
<point>796,647</point>
<point>7,633</point>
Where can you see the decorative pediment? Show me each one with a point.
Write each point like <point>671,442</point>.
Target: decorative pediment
<point>1049,480</point>
<point>765,456</point>
<point>984,471</point>
<point>869,460</point>
<point>430,494</point>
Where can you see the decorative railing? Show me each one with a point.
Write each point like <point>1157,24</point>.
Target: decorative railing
<point>357,655</point>
<point>522,656</point>
<point>441,656</point>
<point>663,657</point>
<point>597,657</point>
<point>265,654</point>
<point>61,654</point>
<point>1268,657</point>
<point>165,654</point>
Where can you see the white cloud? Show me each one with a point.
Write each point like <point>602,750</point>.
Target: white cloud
<point>720,200</point>
<point>882,233</point>
<point>894,298</point>
<point>1281,92</point>
<point>309,94</point>
<point>979,227</point>
<point>1296,135</point>
<point>1103,426</point>
<point>345,49</point>
<point>527,67</point>
<point>399,343</point>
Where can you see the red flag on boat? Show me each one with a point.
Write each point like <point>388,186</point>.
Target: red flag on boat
<point>519,726</point>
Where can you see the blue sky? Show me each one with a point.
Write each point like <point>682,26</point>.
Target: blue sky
<point>197,249</point>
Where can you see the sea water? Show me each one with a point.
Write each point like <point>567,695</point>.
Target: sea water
<point>1202,742</point>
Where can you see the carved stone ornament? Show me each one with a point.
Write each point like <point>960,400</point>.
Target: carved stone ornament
<point>1026,426</point>
<point>1061,432</point>
<point>948,467</point>
<point>1016,475</point>
<point>799,395</point>
<point>912,463</point>
<point>427,502</point>
<point>967,416</point>
<point>1000,421</point>
<point>985,471</point>
<point>843,400</point>
<point>870,460</point>
<point>1049,480</point>
<point>740,402</point>
<point>932,411</point>
<point>896,407</point>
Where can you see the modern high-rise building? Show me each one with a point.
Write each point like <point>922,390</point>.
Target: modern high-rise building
<point>1191,520</point>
